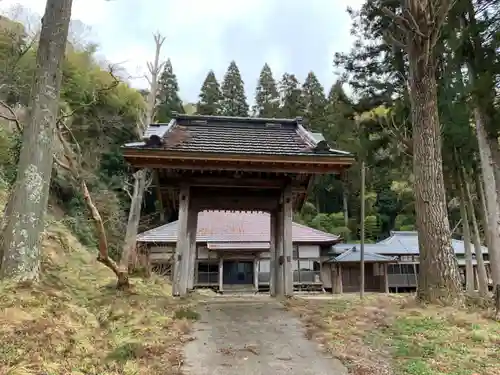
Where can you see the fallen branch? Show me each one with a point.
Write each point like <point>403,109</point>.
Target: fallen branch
<point>74,169</point>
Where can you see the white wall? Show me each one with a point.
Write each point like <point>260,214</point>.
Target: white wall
<point>264,265</point>
<point>308,251</point>
<point>162,249</point>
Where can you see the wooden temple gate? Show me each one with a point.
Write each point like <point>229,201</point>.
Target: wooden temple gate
<point>237,164</point>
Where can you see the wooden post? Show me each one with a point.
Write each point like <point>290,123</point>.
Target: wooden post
<point>476,277</point>
<point>339,286</point>
<point>181,259</point>
<point>158,195</point>
<point>362,244</point>
<point>273,262</point>
<point>287,242</point>
<point>256,273</point>
<point>278,278</point>
<point>192,229</point>
<point>221,274</point>
<point>386,278</point>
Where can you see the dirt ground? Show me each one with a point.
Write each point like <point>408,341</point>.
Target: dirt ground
<point>250,337</point>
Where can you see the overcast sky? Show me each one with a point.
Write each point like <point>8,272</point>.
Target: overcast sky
<point>295,36</point>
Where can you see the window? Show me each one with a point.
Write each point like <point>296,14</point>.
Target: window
<point>295,251</point>
<point>208,273</point>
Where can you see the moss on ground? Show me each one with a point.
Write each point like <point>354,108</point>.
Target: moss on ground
<point>393,335</point>
<point>74,321</point>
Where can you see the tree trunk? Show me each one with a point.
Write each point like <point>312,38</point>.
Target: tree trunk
<point>490,187</point>
<point>129,247</point>
<point>439,279</point>
<point>21,235</point>
<point>476,239</point>
<point>469,268</point>
<point>345,204</point>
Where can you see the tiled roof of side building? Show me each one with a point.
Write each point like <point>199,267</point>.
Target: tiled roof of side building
<point>224,226</point>
<point>236,135</point>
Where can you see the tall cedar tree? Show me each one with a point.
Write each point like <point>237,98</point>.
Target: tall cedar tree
<point>267,100</point>
<point>291,100</point>
<point>314,99</point>
<point>210,97</point>
<point>439,277</point>
<point>168,100</point>
<point>24,219</point>
<point>234,100</point>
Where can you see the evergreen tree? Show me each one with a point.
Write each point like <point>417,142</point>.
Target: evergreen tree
<point>168,95</point>
<point>291,100</point>
<point>234,101</point>
<point>267,99</point>
<point>313,95</point>
<point>210,96</point>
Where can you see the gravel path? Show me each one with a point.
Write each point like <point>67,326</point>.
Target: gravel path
<point>253,336</point>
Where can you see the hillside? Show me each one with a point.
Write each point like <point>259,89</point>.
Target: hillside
<point>75,322</point>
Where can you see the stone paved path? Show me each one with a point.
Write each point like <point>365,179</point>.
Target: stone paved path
<point>253,336</point>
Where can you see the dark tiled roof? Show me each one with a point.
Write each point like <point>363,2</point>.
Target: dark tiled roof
<point>237,227</point>
<point>235,135</point>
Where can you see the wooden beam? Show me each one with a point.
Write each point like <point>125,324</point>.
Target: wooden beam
<point>270,166</point>
<point>210,181</point>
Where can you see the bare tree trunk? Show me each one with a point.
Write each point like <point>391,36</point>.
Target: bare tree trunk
<point>439,279</point>
<point>490,187</point>
<point>21,233</point>
<point>129,247</point>
<point>345,204</point>
<point>140,185</point>
<point>469,269</point>
<point>476,239</point>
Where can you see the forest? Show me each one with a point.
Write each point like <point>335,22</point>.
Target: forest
<point>446,80</point>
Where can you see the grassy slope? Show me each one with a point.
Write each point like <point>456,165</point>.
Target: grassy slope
<point>392,335</point>
<point>75,322</point>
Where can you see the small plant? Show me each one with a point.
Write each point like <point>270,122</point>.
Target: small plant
<point>186,313</point>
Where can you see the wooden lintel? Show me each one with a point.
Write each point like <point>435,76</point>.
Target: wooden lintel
<point>227,182</point>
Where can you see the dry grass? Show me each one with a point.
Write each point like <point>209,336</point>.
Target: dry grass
<point>393,335</point>
<point>75,322</point>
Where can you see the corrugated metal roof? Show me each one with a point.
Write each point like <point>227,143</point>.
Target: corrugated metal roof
<point>354,255</point>
<point>224,226</point>
<point>406,242</point>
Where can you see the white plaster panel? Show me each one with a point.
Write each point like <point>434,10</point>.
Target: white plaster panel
<point>265,265</point>
<point>162,249</point>
<point>308,251</point>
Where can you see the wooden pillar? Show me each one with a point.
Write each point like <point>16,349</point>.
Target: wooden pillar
<point>192,229</point>
<point>279,263</point>
<point>181,258</point>
<point>476,278</point>
<point>221,273</point>
<point>273,261</point>
<point>256,273</point>
<point>337,283</point>
<point>287,241</point>
<point>386,278</point>
<point>159,197</point>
